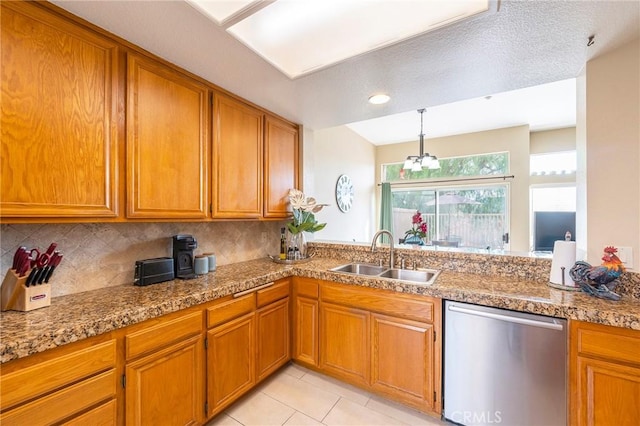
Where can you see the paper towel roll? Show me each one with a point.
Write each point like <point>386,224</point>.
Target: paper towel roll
<point>564,255</point>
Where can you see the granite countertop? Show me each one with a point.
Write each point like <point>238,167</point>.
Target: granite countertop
<point>78,316</point>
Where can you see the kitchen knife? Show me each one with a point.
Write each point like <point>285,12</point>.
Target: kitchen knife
<point>23,263</point>
<point>31,277</point>
<point>17,258</point>
<point>55,261</point>
<point>37,279</point>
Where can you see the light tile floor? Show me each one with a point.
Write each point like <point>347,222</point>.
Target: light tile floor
<point>297,396</point>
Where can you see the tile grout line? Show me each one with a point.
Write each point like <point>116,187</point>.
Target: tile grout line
<point>295,409</point>
<point>330,410</point>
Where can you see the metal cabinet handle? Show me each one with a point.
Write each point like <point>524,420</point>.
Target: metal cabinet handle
<point>525,321</point>
<point>251,290</point>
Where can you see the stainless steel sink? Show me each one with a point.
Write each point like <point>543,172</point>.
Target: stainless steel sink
<point>360,269</point>
<point>422,276</point>
<point>419,276</point>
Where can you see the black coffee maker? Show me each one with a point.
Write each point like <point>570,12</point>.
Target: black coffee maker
<point>183,246</point>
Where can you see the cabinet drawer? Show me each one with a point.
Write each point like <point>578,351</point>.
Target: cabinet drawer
<point>606,341</point>
<point>162,334</point>
<point>231,309</point>
<point>103,415</point>
<point>396,304</point>
<point>306,287</point>
<point>278,291</point>
<point>64,403</point>
<point>31,382</point>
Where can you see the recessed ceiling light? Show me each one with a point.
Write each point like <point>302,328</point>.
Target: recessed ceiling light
<point>379,99</point>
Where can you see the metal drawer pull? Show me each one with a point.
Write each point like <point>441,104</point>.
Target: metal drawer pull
<point>525,321</point>
<point>251,290</point>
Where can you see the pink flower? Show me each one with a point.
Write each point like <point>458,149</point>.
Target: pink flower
<point>418,228</point>
<point>417,218</point>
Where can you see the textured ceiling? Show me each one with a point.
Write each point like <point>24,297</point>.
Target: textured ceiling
<point>526,43</point>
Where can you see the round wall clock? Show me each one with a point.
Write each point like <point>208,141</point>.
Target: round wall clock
<point>344,193</point>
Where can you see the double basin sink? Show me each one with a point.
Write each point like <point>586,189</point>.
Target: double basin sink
<point>414,276</point>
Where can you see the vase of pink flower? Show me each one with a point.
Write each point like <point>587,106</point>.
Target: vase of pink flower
<point>418,231</point>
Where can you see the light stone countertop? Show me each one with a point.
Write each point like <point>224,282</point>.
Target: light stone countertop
<point>81,315</point>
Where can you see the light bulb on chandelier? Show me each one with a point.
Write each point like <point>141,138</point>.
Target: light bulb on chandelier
<point>417,163</point>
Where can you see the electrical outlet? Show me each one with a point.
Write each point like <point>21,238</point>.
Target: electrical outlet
<point>626,256</point>
<point>263,237</point>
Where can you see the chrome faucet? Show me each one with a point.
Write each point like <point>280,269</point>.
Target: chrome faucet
<point>375,238</point>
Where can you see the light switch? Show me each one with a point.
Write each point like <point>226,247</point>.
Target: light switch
<point>626,256</point>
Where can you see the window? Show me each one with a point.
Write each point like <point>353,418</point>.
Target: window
<point>468,166</point>
<point>553,163</point>
<point>470,216</point>
<point>462,216</point>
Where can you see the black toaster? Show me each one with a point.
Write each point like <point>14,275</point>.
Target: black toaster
<point>151,271</point>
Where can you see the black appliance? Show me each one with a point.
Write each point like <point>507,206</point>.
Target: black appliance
<point>183,246</point>
<point>151,271</point>
<point>550,227</point>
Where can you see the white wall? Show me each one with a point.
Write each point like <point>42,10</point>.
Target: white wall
<point>337,151</point>
<point>556,140</point>
<point>613,151</point>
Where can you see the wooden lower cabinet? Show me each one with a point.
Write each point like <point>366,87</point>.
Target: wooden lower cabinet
<point>64,385</point>
<point>382,341</point>
<point>230,362</point>
<point>604,375</point>
<point>273,337</point>
<point>401,360</point>
<point>166,386</point>
<point>305,339</point>
<point>248,340</point>
<point>103,415</point>
<point>305,321</point>
<point>344,344</point>
<point>164,370</point>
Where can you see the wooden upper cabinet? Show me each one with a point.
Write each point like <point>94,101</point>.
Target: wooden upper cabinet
<point>59,148</point>
<point>237,159</point>
<point>280,165</point>
<point>167,142</point>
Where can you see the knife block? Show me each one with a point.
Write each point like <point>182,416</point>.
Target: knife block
<point>15,296</point>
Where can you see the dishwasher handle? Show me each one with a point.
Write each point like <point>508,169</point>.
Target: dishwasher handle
<point>525,321</point>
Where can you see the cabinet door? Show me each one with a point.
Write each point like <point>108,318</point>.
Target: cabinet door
<point>280,166</point>
<point>59,139</point>
<point>273,337</point>
<point>344,347</point>
<point>402,360</point>
<point>166,387</point>
<point>230,362</point>
<point>608,393</point>
<point>237,159</point>
<point>167,142</point>
<point>305,329</point>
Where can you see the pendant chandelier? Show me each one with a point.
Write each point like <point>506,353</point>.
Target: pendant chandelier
<point>423,161</point>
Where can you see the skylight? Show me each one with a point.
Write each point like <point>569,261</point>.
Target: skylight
<point>302,36</point>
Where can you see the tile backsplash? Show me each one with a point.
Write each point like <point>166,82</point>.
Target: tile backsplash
<point>100,255</point>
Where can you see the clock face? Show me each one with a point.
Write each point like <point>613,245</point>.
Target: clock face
<point>344,193</point>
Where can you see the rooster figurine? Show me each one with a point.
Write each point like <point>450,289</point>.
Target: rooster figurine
<point>599,281</point>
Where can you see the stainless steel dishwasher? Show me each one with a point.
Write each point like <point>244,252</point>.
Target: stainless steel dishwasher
<point>504,367</point>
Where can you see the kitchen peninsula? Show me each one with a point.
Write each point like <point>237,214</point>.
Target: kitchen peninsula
<point>116,314</point>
